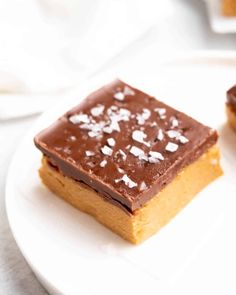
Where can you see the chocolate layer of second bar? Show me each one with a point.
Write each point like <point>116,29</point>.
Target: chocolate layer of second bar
<point>231,96</point>
<point>124,143</point>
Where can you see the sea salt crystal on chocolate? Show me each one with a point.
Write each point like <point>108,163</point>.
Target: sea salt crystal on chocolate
<point>108,129</point>
<point>143,157</point>
<point>119,95</point>
<point>171,147</point>
<point>156,155</point>
<point>103,163</point>
<point>97,111</point>
<point>143,186</point>
<point>93,134</point>
<point>119,115</point>
<point>139,136</point>
<point>160,135</point>
<point>72,138</point>
<point>89,153</point>
<point>153,160</point>
<point>146,114</point>
<point>174,122</point>
<point>123,114</point>
<point>106,150</point>
<point>91,164</point>
<point>114,126</point>
<point>128,91</point>
<point>121,170</point>
<point>173,133</point>
<point>67,150</point>
<point>177,135</point>
<point>183,139</point>
<point>136,151</point>
<point>111,141</point>
<point>130,183</point>
<point>161,112</point>
<point>153,124</point>
<point>79,118</point>
<point>95,129</point>
<point>141,118</point>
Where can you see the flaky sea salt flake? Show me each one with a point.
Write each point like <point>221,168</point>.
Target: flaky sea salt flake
<point>153,124</point>
<point>171,147</point>
<point>160,111</point>
<point>137,152</point>
<point>141,118</point>
<point>139,136</point>
<point>156,155</point>
<point>106,150</point>
<point>97,111</point>
<point>111,141</point>
<point>146,114</point>
<point>174,122</point>
<point>160,135</point>
<point>143,157</point>
<point>72,138</point>
<point>119,96</point>
<point>173,134</point>
<point>103,163</point>
<point>89,153</point>
<point>153,160</point>
<point>143,186</point>
<point>183,139</point>
<point>114,126</point>
<point>121,170</point>
<point>130,183</point>
<point>128,91</point>
<point>123,114</point>
<point>123,154</point>
<point>93,134</point>
<point>79,118</point>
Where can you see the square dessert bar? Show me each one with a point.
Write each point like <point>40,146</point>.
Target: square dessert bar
<point>229,7</point>
<point>127,159</point>
<point>231,107</point>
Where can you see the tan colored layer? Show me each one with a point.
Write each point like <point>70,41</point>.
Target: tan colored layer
<point>231,117</point>
<point>229,7</point>
<point>153,215</point>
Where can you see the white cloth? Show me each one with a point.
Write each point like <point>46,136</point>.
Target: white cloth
<point>51,45</point>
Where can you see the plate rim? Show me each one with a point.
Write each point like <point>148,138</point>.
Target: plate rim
<point>202,55</point>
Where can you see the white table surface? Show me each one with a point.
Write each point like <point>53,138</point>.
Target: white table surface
<point>186,29</point>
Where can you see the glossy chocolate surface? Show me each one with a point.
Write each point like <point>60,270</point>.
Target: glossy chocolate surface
<point>231,97</point>
<point>124,144</point>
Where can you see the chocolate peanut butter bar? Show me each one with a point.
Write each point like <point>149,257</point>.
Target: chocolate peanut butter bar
<point>229,8</point>
<point>127,159</point>
<point>231,107</point>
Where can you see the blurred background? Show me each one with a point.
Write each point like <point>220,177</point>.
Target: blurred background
<point>48,47</point>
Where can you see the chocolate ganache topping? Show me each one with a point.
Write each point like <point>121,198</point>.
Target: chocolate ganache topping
<point>124,144</point>
<point>231,96</point>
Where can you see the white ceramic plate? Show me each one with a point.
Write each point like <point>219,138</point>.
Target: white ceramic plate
<point>219,23</point>
<point>195,253</point>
